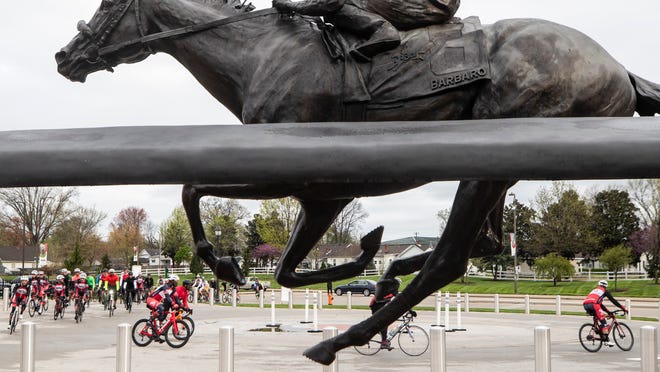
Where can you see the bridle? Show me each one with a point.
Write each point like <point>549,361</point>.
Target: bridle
<point>96,52</point>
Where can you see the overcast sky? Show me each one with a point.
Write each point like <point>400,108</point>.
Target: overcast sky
<point>159,91</point>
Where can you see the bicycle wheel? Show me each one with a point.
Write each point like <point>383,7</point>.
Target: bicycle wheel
<point>177,339</point>
<point>190,323</point>
<point>413,340</point>
<point>589,338</point>
<point>142,333</point>
<point>62,307</point>
<point>623,336</point>
<point>370,348</point>
<point>32,308</point>
<point>45,305</point>
<point>56,310</point>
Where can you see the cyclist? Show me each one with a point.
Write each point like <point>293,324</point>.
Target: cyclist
<point>139,286</point>
<point>101,283</point>
<point>129,287</point>
<point>257,286</point>
<point>112,280</point>
<point>44,284</point>
<point>181,292</point>
<point>91,284</point>
<point>60,289</point>
<point>385,292</point>
<point>169,299</point>
<point>19,297</point>
<point>594,306</point>
<point>80,291</point>
<point>35,289</point>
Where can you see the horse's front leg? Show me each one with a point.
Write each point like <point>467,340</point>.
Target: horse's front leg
<point>225,268</point>
<point>473,202</point>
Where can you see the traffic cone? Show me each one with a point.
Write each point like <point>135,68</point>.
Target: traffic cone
<point>329,298</point>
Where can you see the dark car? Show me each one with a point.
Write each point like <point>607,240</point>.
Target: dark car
<point>366,287</point>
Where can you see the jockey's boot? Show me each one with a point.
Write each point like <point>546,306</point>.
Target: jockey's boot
<point>385,38</point>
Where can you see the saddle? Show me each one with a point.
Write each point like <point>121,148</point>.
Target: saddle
<point>428,61</point>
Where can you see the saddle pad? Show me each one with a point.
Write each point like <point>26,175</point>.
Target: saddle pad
<point>429,61</point>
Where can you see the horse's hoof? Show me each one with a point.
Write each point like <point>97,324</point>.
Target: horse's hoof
<point>370,243</point>
<point>320,353</point>
<point>226,268</point>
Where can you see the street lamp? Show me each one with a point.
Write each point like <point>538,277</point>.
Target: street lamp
<point>218,234</point>
<point>514,244</point>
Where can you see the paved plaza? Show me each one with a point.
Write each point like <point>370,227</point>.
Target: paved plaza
<point>492,342</point>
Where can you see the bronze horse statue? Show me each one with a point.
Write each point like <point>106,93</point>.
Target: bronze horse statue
<point>268,67</point>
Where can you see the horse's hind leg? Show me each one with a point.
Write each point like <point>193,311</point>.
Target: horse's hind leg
<point>473,203</point>
<point>313,221</point>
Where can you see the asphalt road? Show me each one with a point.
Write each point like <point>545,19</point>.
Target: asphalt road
<point>492,342</point>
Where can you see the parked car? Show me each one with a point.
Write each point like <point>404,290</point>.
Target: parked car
<point>249,281</point>
<point>366,287</point>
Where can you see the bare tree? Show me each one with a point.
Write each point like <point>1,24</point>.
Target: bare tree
<point>346,227</point>
<point>80,229</point>
<point>127,231</point>
<point>443,217</point>
<point>38,209</point>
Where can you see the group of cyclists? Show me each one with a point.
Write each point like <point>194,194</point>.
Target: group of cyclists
<point>70,287</point>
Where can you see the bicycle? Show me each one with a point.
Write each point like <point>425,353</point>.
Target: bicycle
<point>14,316</point>
<point>33,306</point>
<point>59,308</point>
<point>79,308</point>
<point>412,339</point>
<point>592,339</point>
<point>227,295</point>
<point>175,330</point>
<point>111,302</point>
<point>128,301</point>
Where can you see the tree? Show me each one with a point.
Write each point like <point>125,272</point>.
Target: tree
<point>564,223</point>
<point>643,242</point>
<point>34,212</point>
<point>196,265</point>
<point>524,228</point>
<point>616,259</point>
<point>346,227</point>
<point>252,240</point>
<point>175,233</point>
<point>278,219</point>
<point>646,195</point>
<point>126,232</point>
<point>227,216</point>
<point>105,262</point>
<point>75,259</point>
<point>614,218</point>
<point>494,263</point>
<point>443,217</point>
<point>79,229</point>
<point>183,254</point>
<point>554,266</point>
<point>266,253</point>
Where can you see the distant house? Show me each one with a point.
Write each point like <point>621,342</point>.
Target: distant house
<point>12,258</point>
<point>331,255</point>
<point>402,248</point>
<point>153,258</point>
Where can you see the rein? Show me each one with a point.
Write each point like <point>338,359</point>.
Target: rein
<point>144,39</point>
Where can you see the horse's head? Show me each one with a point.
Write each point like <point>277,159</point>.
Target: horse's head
<point>97,46</point>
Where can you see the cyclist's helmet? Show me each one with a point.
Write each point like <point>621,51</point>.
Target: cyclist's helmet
<point>111,271</point>
<point>83,276</point>
<point>76,270</point>
<point>603,283</point>
<point>60,277</point>
<point>24,278</point>
<point>41,272</point>
<point>174,277</point>
<point>187,283</point>
<point>33,272</point>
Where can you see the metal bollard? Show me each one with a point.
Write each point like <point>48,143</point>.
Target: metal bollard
<point>446,311</point>
<point>226,349</point>
<point>558,305</point>
<point>438,350</point>
<point>467,302</point>
<point>497,303</point>
<point>211,296</point>
<point>328,333</point>
<point>261,298</point>
<point>291,299</point>
<point>5,299</point>
<point>123,348</point>
<point>195,295</point>
<point>542,349</point>
<point>272,310</point>
<point>28,331</point>
<point>459,320</point>
<point>315,312</point>
<point>306,307</point>
<point>527,309</point>
<point>349,306</point>
<point>649,349</point>
<point>319,296</point>
<point>438,309</point>
<point>233,297</point>
<point>628,316</point>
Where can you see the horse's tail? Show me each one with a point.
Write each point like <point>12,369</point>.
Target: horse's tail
<point>648,95</point>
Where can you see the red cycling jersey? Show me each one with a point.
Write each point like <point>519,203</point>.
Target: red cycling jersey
<point>80,289</point>
<point>20,295</point>
<point>112,280</point>
<point>60,289</point>
<point>182,293</point>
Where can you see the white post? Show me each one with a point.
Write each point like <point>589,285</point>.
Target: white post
<point>272,310</point>
<point>315,313</point>
<point>124,348</point>
<point>306,307</point>
<point>226,349</point>
<point>467,302</point>
<point>542,349</point>
<point>438,350</point>
<point>459,322</point>
<point>438,308</point>
<point>319,297</point>
<point>350,300</point>
<point>497,303</point>
<point>261,298</point>
<point>28,331</point>
<point>447,311</point>
<point>5,299</point>
<point>649,349</point>
<point>628,316</point>
<point>527,308</point>
<point>233,297</point>
<point>291,298</point>
<point>195,295</point>
<point>211,296</point>
<point>329,333</point>
<point>558,305</point>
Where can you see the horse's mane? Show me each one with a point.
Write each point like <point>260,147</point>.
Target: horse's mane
<point>239,5</point>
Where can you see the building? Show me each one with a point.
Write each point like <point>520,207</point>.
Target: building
<point>13,258</point>
<point>152,258</point>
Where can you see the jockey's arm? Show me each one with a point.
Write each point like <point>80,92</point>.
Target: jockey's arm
<point>309,7</point>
